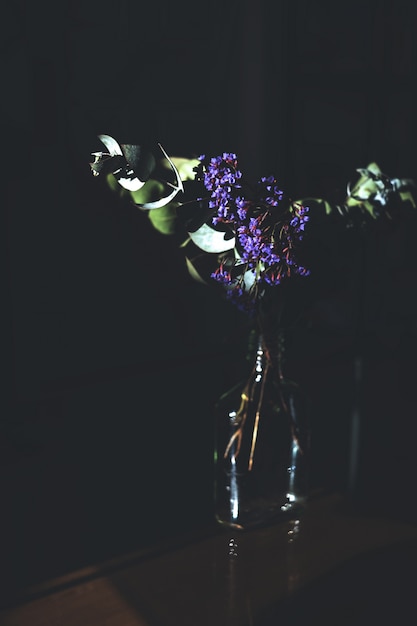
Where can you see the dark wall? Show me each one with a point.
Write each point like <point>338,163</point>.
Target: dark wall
<point>112,353</point>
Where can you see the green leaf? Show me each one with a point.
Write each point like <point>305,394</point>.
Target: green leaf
<point>185,242</point>
<point>365,189</point>
<point>112,183</point>
<point>175,188</point>
<point>151,191</point>
<point>211,240</point>
<point>164,218</point>
<point>111,144</point>
<point>185,167</point>
<point>249,279</point>
<point>193,272</point>
<point>407,196</point>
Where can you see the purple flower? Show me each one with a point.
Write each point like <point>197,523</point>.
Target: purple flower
<point>267,231</point>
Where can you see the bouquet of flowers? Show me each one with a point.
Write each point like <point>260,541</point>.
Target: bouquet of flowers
<point>248,237</point>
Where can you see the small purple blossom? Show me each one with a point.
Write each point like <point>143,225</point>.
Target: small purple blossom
<point>222,275</point>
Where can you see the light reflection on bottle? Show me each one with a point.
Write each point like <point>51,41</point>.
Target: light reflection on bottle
<point>234,490</point>
<point>294,451</point>
<point>291,495</point>
<point>297,489</point>
<point>292,498</point>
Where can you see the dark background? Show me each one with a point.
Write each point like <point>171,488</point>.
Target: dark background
<point>113,356</point>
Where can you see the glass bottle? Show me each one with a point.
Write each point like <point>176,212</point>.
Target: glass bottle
<point>262,442</point>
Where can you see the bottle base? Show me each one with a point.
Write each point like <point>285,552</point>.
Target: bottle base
<point>262,514</point>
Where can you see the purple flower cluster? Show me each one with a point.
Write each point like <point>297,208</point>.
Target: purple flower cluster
<point>221,177</point>
<point>266,230</point>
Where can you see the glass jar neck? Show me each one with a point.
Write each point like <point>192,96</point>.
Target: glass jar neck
<point>270,351</point>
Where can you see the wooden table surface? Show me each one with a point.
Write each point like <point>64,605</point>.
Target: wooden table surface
<point>335,565</point>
